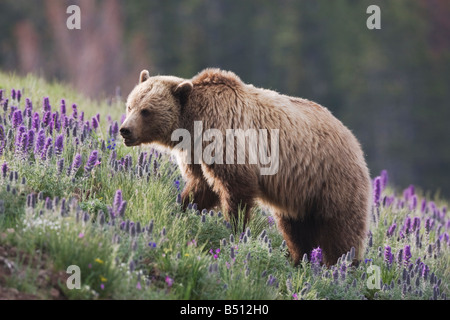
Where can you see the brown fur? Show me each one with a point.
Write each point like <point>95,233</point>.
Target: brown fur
<point>321,193</point>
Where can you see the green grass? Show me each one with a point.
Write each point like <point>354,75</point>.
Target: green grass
<point>178,254</point>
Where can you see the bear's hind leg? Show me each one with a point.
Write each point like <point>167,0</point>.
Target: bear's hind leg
<point>301,235</point>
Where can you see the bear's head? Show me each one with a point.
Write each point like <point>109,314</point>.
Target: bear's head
<point>154,108</point>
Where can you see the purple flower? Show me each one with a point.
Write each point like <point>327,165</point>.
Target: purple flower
<point>377,191</point>
<point>91,161</point>
<point>63,107</point>
<point>19,95</point>
<point>416,224</point>
<point>169,281</point>
<point>391,229</point>
<point>429,222</point>
<point>388,256</point>
<point>24,143</point>
<point>46,118</point>
<point>59,145</point>
<point>117,201</point>
<point>408,193</point>
<point>40,142</point>
<point>47,146</point>
<point>316,256</point>
<point>423,206</point>
<point>19,135</point>
<point>74,111</point>
<point>60,165</point>
<point>115,129</point>
<point>270,221</point>
<point>215,253</point>
<point>384,179</point>
<point>47,106</point>
<point>17,118</point>
<point>35,122</point>
<point>407,226</point>
<point>94,123</point>
<point>121,209</point>
<point>152,244</point>
<point>5,105</point>
<point>2,133</point>
<point>425,271</point>
<point>407,253</point>
<point>13,94</point>
<point>413,202</point>
<point>4,169</point>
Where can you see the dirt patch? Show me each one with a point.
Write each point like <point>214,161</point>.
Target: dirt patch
<point>34,272</point>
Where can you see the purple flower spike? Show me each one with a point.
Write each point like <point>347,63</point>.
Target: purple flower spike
<point>47,106</point>
<point>13,94</point>
<point>47,146</point>
<point>391,230</point>
<point>40,142</point>
<point>59,145</point>
<point>121,209</point>
<point>423,206</point>
<point>94,123</point>
<point>91,161</point>
<point>413,202</point>
<point>63,107</point>
<point>316,256</point>
<point>2,133</point>
<point>19,95</point>
<point>74,111</point>
<point>407,253</point>
<point>4,169</point>
<point>76,164</point>
<point>35,122</point>
<point>117,201</point>
<point>416,223</point>
<point>388,256</point>
<point>377,191</point>
<point>384,179</point>
<point>17,118</point>
<point>46,118</point>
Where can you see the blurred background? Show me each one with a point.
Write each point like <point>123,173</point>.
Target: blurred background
<point>391,87</point>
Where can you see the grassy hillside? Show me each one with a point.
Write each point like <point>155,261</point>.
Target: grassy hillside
<point>72,194</point>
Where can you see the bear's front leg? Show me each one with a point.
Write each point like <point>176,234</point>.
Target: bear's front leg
<point>238,190</point>
<point>197,189</point>
<point>201,193</point>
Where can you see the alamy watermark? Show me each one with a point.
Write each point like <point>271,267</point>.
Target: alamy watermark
<point>374,20</point>
<point>74,281</point>
<point>74,20</point>
<point>251,146</point>
<point>374,277</point>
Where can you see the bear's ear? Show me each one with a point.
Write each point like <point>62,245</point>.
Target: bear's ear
<point>144,76</point>
<point>183,90</point>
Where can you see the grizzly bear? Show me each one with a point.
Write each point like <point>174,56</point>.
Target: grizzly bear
<point>320,194</point>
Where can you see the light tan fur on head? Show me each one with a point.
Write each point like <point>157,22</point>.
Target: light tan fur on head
<point>153,109</point>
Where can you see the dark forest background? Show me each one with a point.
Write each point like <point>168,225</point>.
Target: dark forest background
<point>391,87</point>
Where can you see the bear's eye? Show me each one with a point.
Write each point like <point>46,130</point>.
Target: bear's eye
<point>145,112</point>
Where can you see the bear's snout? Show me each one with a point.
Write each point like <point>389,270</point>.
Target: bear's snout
<point>125,132</point>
